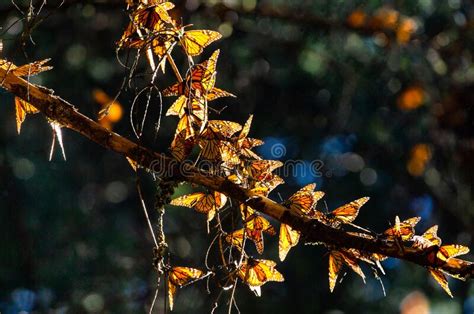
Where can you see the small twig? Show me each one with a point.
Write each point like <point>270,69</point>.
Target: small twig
<point>174,67</point>
<point>145,211</point>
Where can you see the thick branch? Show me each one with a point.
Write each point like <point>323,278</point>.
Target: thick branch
<point>64,113</point>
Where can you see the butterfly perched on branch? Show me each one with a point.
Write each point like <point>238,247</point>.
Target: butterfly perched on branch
<point>257,272</point>
<point>179,277</point>
<point>254,227</point>
<point>344,214</point>
<point>404,230</point>
<point>199,82</point>
<point>338,258</point>
<point>203,202</point>
<point>304,200</point>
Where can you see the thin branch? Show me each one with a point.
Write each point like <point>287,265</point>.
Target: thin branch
<point>314,231</point>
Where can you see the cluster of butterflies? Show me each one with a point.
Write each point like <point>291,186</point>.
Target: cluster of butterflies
<point>227,144</point>
<point>257,272</point>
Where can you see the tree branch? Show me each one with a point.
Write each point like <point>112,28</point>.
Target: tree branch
<point>313,231</point>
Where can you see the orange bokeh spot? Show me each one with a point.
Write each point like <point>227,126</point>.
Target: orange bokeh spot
<point>114,112</point>
<point>356,19</point>
<point>101,97</point>
<point>385,18</point>
<point>411,98</point>
<point>404,31</point>
<point>419,157</point>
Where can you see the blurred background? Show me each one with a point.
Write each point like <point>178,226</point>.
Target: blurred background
<point>379,92</point>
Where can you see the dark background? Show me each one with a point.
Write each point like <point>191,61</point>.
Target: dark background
<point>381,92</point>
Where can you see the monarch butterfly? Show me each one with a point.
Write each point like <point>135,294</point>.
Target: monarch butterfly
<point>29,69</point>
<point>213,141</point>
<point>215,93</point>
<point>194,41</point>
<point>257,272</point>
<point>161,40</point>
<point>254,226</point>
<point>370,258</point>
<point>288,239</point>
<point>304,200</point>
<point>265,186</point>
<point>245,144</point>
<point>452,250</point>
<point>236,238</point>
<point>203,76</point>
<point>220,129</point>
<point>441,279</point>
<point>336,261</point>
<point>23,108</point>
<point>254,229</point>
<point>180,276</point>
<point>344,214</point>
<point>193,119</point>
<point>199,81</point>
<point>427,239</point>
<point>181,147</point>
<point>189,125</point>
<point>259,170</point>
<point>217,150</point>
<point>149,17</point>
<point>206,203</point>
<point>404,230</point>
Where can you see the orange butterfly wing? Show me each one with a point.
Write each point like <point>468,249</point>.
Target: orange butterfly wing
<point>348,213</point>
<point>181,147</point>
<point>304,200</point>
<point>236,238</point>
<point>254,229</point>
<point>178,277</point>
<point>452,250</point>
<point>288,239</point>
<point>215,93</point>
<point>194,41</point>
<point>440,279</point>
<point>336,260</point>
<point>404,230</point>
<point>335,265</point>
<point>22,109</point>
<point>265,186</point>
<point>206,203</point>
<point>29,69</point>
<point>257,272</point>
<point>427,239</point>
